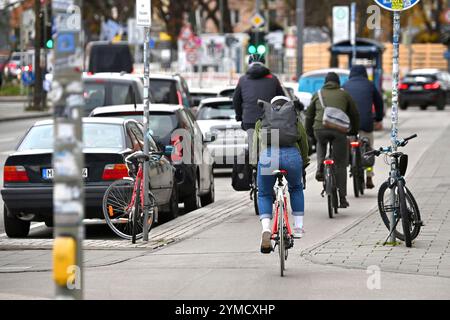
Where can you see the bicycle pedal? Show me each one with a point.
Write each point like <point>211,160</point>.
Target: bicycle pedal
<point>322,194</point>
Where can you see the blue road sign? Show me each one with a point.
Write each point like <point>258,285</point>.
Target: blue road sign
<point>66,43</point>
<point>27,78</point>
<point>397,5</point>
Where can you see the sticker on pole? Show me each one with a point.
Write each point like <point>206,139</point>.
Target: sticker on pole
<point>397,5</point>
<point>144,13</point>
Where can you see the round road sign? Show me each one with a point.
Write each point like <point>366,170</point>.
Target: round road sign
<point>397,5</point>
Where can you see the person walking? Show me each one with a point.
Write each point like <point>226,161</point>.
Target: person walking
<point>334,96</point>
<point>368,99</point>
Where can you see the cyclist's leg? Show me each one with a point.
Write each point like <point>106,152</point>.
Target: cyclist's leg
<point>321,150</point>
<point>292,161</point>
<point>340,155</point>
<point>369,171</point>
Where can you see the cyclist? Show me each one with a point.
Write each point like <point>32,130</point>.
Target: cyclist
<point>333,96</point>
<point>291,156</point>
<point>257,83</point>
<point>367,97</point>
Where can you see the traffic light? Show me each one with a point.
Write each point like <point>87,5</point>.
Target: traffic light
<point>48,37</point>
<point>257,43</point>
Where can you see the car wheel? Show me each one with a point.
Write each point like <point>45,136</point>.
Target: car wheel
<point>403,106</point>
<point>193,202</point>
<point>423,107</point>
<point>210,196</point>
<point>14,227</point>
<point>173,205</point>
<point>440,105</point>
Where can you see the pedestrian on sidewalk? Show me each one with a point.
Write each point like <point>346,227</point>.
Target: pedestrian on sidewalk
<point>333,96</point>
<point>370,105</point>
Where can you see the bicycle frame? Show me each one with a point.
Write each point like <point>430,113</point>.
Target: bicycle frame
<point>139,181</point>
<point>281,197</point>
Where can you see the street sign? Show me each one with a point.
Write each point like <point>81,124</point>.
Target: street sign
<point>397,5</point>
<point>341,18</point>
<point>257,20</point>
<point>144,13</point>
<point>191,57</point>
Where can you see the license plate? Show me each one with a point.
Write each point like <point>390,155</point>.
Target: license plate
<point>48,174</point>
<point>415,88</point>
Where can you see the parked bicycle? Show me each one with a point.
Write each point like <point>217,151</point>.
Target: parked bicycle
<point>281,229</point>
<point>330,184</point>
<point>123,202</point>
<point>398,201</point>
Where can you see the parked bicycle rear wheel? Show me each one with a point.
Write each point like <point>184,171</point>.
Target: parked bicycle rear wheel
<point>385,207</point>
<point>281,236</point>
<point>116,209</point>
<point>406,224</point>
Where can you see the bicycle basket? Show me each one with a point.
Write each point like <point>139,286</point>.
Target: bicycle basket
<point>403,164</point>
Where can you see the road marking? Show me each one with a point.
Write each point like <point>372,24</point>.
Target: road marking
<point>14,269</point>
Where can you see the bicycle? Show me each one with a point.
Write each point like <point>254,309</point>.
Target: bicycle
<point>400,201</point>
<point>330,184</point>
<point>123,202</point>
<point>356,167</point>
<point>281,229</point>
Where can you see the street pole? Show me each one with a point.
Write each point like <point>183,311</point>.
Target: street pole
<point>353,32</point>
<point>300,11</point>
<point>68,158</point>
<point>394,112</point>
<point>37,92</point>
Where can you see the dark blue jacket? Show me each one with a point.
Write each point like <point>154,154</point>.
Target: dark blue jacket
<point>257,83</point>
<point>365,94</point>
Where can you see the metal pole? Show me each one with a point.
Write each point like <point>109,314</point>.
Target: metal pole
<point>68,159</point>
<point>394,112</point>
<point>300,10</point>
<point>146,127</point>
<point>221,16</point>
<point>353,32</point>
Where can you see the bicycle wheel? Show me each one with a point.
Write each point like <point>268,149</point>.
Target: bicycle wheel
<point>118,209</point>
<point>385,208</point>
<point>281,244</point>
<point>137,213</point>
<point>355,175</point>
<point>406,224</point>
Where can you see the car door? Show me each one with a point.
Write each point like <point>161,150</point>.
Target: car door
<point>204,163</point>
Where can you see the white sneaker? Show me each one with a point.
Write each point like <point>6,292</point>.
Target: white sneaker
<point>298,233</point>
<point>266,242</point>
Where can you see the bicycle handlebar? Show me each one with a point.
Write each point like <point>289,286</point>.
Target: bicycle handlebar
<point>381,150</point>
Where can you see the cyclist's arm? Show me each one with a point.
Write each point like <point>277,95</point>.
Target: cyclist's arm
<point>237,102</point>
<point>279,89</point>
<point>378,103</point>
<point>255,146</point>
<point>353,113</point>
<point>303,143</point>
<point>309,116</point>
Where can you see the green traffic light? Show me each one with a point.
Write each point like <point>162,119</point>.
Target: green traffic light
<point>49,44</point>
<point>252,49</point>
<point>261,49</point>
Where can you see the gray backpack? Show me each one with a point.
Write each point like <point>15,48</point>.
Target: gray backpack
<point>281,118</point>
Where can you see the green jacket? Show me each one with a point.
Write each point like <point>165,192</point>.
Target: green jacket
<point>333,96</point>
<point>301,144</point>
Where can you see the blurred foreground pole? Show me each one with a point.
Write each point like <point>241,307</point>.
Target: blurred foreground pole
<point>353,32</point>
<point>300,26</point>
<point>68,160</point>
<point>37,92</point>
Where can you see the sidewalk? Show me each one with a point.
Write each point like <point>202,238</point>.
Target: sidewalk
<point>14,108</point>
<point>360,245</point>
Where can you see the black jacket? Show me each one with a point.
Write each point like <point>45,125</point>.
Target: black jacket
<point>365,94</point>
<point>257,83</point>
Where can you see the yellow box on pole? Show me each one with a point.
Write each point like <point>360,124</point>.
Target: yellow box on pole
<point>64,256</point>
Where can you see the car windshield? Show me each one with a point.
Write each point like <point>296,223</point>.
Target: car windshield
<point>198,97</point>
<point>217,111</point>
<point>314,83</point>
<point>419,78</point>
<point>227,93</point>
<point>95,135</point>
<point>94,94</point>
<point>164,91</point>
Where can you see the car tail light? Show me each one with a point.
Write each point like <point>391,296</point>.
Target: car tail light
<point>328,162</point>
<point>403,86</point>
<point>355,144</point>
<point>115,172</point>
<point>90,73</point>
<point>177,144</point>
<point>180,98</point>
<point>15,174</point>
<point>432,86</point>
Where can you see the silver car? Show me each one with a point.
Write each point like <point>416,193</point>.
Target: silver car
<point>216,117</point>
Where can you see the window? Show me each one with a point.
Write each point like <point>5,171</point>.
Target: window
<point>234,16</point>
<point>216,111</point>
<point>94,94</point>
<point>164,91</point>
<point>121,94</point>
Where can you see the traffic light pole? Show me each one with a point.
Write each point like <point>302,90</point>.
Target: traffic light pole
<point>300,10</point>
<point>68,160</point>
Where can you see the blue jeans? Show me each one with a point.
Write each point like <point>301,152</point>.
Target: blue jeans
<point>290,160</point>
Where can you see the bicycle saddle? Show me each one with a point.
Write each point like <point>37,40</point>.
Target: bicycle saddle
<point>139,156</point>
<point>280,173</point>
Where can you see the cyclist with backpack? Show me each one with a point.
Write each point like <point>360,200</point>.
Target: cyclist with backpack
<point>281,142</point>
<point>331,95</point>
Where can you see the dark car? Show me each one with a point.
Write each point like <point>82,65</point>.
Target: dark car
<point>28,172</point>
<point>169,89</point>
<point>109,89</point>
<point>424,87</point>
<point>176,126</point>
<point>104,56</point>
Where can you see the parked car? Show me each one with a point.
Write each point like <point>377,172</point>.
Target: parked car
<point>424,87</point>
<point>169,89</point>
<point>227,91</point>
<point>216,117</point>
<point>107,89</point>
<point>198,94</point>
<point>310,82</point>
<point>194,175</point>
<point>13,67</point>
<point>104,56</point>
<point>28,172</point>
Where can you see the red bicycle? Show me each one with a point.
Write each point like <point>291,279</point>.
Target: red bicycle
<point>281,230</point>
<point>123,202</point>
